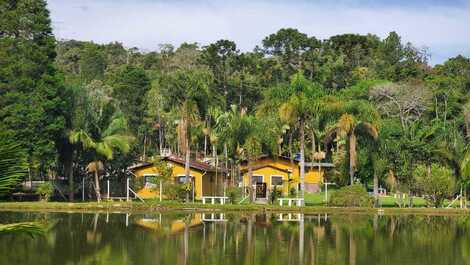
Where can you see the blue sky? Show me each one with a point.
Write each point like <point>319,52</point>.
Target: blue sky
<point>441,26</point>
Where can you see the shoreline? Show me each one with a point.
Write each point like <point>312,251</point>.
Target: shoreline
<point>139,207</point>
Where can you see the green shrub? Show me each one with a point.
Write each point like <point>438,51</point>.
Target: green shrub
<point>351,196</point>
<point>292,192</point>
<point>275,194</point>
<point>234,194</point>
<point>435,181</point>
<point>45,191</point>
<point>174,191</point>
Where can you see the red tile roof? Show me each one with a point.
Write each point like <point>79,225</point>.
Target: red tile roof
<point>192,164</point>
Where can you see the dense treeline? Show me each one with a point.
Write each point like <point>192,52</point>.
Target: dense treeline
<point>375,106</point>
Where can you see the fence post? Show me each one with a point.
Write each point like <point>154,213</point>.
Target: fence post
<point>107,183</point>
<point>127,189</point>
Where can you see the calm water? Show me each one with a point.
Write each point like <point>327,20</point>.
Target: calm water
<point>195,238</point>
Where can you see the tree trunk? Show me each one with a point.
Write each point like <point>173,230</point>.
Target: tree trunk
<point>68,170</point>
<point>352,156</point>
<point>186,168</point>
<point>97,184</point>
<point>291,155</point>
<point>376,190</point>
<point>302,159</point>
<point>250,181</point>
<point>314,148</point>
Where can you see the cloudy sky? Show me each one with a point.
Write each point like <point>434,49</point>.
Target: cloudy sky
<point>441,26</point>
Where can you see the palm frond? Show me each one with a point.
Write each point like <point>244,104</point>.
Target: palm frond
<point>117,125</point>
<point>82,137</point>
<point>366,128</point>
<point>104,149</point>
<point>119,142</point>
<point>30,228</point>
<point>13,166</point>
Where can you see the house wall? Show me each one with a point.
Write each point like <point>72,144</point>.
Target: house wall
<point>177,170</point>
<point>267,173</point>
<point>313,177</point>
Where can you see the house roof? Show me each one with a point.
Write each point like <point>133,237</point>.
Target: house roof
<point>296,161</point>
<point>192,164</point>
<point>316,164</point>
<point>267,165</point>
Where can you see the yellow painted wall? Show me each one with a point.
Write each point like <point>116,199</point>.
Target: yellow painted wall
<point>312,175</point>
<point>267,173</point>
<point>177,170</point>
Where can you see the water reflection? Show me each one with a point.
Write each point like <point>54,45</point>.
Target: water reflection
<point>238,238</point>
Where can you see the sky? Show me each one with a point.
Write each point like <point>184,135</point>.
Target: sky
<point>443,27</point>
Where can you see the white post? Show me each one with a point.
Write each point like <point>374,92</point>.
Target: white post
<point>326,193</point>
<point>213,200</point>
<point>127,189</point>
<point>161,190</point>
<point>107,184</point>
<point>290,202</point>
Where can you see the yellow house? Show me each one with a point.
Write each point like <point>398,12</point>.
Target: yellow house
<point>283,174</point>
<point>204,177</point>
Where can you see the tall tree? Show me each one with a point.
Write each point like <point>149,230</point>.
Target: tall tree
<point>297,110</point>
<point>31,109</point>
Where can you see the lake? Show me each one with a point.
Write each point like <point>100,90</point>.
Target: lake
<point>237,238</point>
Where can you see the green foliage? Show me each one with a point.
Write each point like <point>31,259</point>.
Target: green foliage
<point>275,194</point>
<point>351,196</point>
<point>45,190</point>
<point>30,228</point>
<point>292,192</point>
<point>31,100</point>
<point>234,194</point>
<point>174,191</point>
<point>434,181</point>
<point>13,166</point>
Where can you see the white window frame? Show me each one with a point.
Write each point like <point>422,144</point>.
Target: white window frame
<point>148,184</point>
<point>191,178</point>
<point>277,176</point>
<point>262,179</point>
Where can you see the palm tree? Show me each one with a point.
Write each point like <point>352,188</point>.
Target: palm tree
<point>357,118</point>
<point>297,110</point>
<point>103,144</point>
<point>189,118</point>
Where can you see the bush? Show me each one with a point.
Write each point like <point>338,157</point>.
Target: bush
<point>45,191</point>
<point>352,196</point>
<point>275,194</point>
<point>234,194</point>
<point>174,191</point>
<point>292,192</point>
<point>435,181</point>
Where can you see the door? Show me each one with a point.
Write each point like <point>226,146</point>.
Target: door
<point>261,190</point>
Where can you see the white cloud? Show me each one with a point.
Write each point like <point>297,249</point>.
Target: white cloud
<point>145,23</point>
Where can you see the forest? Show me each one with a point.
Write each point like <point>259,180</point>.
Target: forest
<point>374,106</point>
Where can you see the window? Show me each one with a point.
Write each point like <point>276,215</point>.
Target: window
<point>257,179</point>
<point>276,180</point>
<point>150,181</point>
<point>182,179</point>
